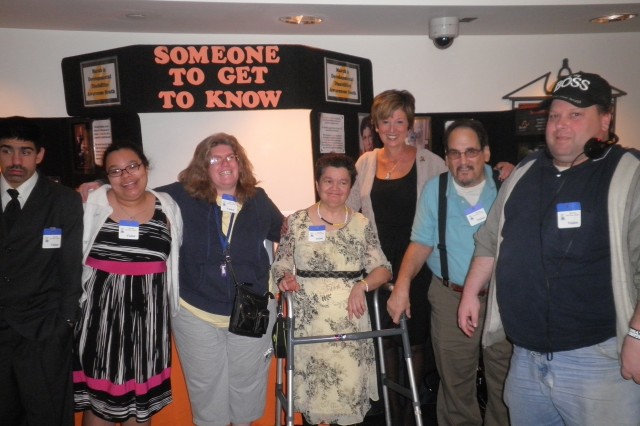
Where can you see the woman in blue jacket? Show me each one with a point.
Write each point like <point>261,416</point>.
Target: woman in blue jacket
<point>224,213</point>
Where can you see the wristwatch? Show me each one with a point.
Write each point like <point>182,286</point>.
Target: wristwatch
<point>634,333</point>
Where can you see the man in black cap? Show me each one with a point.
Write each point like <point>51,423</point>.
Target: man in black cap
<point>561,247</point>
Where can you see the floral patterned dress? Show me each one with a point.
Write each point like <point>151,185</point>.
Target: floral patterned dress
<point>333,382</point>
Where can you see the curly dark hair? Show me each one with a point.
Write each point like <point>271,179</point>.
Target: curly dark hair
<point>335,160</point>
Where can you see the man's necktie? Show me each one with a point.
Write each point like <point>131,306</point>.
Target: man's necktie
<point>12,210</point>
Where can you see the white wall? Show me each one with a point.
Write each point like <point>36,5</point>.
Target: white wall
<point>472,75</point>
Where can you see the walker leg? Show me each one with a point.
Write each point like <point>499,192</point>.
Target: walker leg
<point>377,334</point>
<point>415,399</point>
<point>383,370</point>
<point>279,365</point>
<point>290,351</point>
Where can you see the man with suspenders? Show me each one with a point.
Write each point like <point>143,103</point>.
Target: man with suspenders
<point>461,199</point>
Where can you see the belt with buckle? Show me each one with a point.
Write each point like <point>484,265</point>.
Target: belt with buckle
<point>457,287</point>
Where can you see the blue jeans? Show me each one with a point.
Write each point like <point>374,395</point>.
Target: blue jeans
<point>582,387</point>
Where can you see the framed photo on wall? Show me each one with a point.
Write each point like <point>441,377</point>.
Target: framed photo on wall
<point>366,133</point>
<point>83,160</point>
<point>420,135</point>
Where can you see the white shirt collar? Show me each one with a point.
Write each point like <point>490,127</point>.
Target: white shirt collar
<point>24,190</point>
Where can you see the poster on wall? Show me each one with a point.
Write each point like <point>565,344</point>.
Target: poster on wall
<point>342,82</point>
<point>102,137</point>
<point>100,82</point>
<point>332,137</point>
<point>531,119</point>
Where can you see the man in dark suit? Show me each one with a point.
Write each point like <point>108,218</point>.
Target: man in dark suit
<point>40,283</point>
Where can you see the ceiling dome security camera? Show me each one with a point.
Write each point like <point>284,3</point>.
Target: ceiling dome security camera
<point>443,31</point>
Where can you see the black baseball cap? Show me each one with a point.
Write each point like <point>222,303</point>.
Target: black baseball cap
<point>583,89</point>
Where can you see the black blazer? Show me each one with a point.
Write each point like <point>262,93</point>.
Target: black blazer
<point>40,287</point>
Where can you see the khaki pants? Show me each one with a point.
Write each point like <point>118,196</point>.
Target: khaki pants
<point>457,358</point>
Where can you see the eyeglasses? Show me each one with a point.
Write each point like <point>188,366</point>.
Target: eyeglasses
<point>469,153</point>
<point>215,160</point>
<point>131,169</point>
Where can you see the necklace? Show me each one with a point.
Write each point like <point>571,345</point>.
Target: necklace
<point>389,171</point>
<point>395,164</point>
<point>346,216</point>
<point>131,216</point>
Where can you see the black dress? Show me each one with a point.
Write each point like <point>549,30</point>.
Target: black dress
<point>123,345</point>
<point>394,205</point>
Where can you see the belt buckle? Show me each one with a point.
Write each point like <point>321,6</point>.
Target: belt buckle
<point>451,286</point>
<point>459,289</point>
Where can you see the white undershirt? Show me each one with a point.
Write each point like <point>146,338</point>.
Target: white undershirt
<point>470,193</point>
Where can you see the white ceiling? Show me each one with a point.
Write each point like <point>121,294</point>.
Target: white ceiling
<point>347,17</point>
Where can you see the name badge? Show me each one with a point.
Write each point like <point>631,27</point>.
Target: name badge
<point>476,215</point>
<point>229,204</point>
<point>52,238</point>
<point>128,230</point>
<point>569,215</point>
<point>317,233</point>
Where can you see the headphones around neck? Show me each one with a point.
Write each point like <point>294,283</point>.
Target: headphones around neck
<point>595,148</point>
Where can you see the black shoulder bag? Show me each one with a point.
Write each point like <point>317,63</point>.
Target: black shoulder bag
<point>250,313</point>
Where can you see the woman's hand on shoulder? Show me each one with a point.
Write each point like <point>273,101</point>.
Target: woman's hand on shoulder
<point>285,226</point>
<point>85,188</point>
<point>288,283</point>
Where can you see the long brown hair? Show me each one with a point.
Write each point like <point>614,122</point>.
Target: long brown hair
<point>196,179</point>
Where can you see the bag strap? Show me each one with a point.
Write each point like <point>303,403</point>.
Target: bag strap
<point>442,225</point>
<point>227,260</point>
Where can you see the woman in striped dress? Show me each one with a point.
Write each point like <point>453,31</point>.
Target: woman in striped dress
<point>123,347</point>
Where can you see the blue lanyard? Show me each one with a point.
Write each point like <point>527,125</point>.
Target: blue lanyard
<point>224,239</point>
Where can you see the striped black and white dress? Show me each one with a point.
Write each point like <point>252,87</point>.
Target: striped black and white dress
<point>123,344</point>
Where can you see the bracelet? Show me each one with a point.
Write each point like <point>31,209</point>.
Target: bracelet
<point>366,285</point>
<point>634,333</point>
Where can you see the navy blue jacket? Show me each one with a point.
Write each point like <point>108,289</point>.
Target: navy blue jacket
<point>201,283</point>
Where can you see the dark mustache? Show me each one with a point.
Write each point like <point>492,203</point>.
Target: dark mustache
<point>469,168</point>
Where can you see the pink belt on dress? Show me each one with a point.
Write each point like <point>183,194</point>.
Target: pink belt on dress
<point>127,268</point>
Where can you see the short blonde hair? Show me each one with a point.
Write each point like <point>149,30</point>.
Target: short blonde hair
<point>390,100</point>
